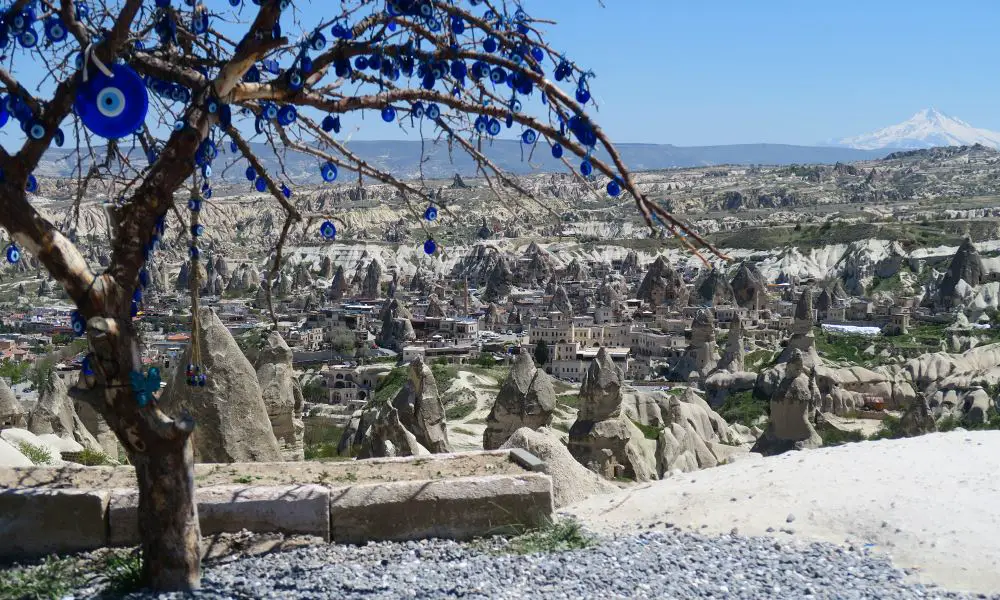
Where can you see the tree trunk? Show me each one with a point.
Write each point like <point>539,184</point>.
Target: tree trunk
<point>168,517</point>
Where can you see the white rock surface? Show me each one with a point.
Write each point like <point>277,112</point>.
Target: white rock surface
<point>928,502</point>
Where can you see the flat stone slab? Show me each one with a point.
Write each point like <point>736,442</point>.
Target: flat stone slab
<point>527,460</point>
<point>36,522</point>
<point>457,509</point>
<point>292,510</point>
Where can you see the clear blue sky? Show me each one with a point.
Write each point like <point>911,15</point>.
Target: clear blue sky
<point>692,72</point>
<point>696,72</point>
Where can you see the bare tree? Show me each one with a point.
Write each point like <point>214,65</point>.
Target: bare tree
<point>462,68</point>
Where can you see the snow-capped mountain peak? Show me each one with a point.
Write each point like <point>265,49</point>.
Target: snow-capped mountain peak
<point>928,128</point>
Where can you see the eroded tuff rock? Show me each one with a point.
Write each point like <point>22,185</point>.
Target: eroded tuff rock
<point>560,302</point>
<point>396,326</point>
<point>12,412</point>
<point>792,408</point>
<point>603,439</point>
<point>282,395</point>
<point>526,399</point>
<point>662,285</point>
<point>233,425</point>
<point>54,413</point>
<point>702,354</point>
<point>421,410</point>
<point>715,290</point>
<point>749,286</point>
<point>377,432</point>
<point>965,266</point>
<point>371,286</point>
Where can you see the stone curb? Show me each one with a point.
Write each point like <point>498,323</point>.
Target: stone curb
<point>451,508</point>
<point>288,509</point>
<point>39,521</point>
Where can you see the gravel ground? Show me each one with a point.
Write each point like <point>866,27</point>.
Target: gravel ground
<point>655,564</point>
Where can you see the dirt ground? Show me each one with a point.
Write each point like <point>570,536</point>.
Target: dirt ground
<point>342,473</point>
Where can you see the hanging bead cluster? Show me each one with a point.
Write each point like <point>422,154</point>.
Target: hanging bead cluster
<point>195,374</point>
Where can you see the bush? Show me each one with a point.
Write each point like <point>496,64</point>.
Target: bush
<point>485,360</point>
<point>648,431</point>
<point>744,408</point>
<point>123,570</point>
<point>835,437</point>
<point>38,455</point>
<point>565,535</point>
<point>94,458</point>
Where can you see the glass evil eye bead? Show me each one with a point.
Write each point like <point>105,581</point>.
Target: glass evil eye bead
<point>490,45</point>
<point>144,277</point>
<point>36,130</point>
<point>331,123</point>
<point>112,107</point>
<point>197,230</point>
<point>31,185</point>
<point>388,114</point>
<point>287,193</point>
<point>430,246</point>
<point>28,38</point>
<point>13,254</point>
<point>318,41</point>
<point>287,115</point>
<point>55,31</point>
<point>582,95</point>
<point>235,3</point>
<point>194,205</point>
<point>270,111</point>
<point>194,252</point>
<point>431,213</point>
<point>493,127</point>
<point>328,171</point>
<point>529,136</point>
<point>295,79</point>
<point>78,323</point>
<point>328,230</point>
<point>260,184</point>
<point>432,112</point>
<point>417,110</point>
<point>586,168</point>
<point>251,174</point>
<point>614,188</point>
<point>59,138</point>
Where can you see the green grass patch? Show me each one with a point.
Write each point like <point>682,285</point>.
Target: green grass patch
<point>444,375</point>
<point>53,578</point>
<point>463,431</point>
<point>95,458</point>
<point>390,385</point>
<point>123,570</point>
<point>562,536</point>
<point>835,437</point>
<point>758,359</point>
<point>744,408</point>
<point>459,411</point>
<point>570,400</point>
<point>648,431</point>
<point>38,455</point>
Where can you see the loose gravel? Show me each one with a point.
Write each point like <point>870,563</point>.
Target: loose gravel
<point>660,564</point>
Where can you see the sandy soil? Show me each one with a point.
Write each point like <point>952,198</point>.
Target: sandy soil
<point>342,473</point>
<point>930,503</point>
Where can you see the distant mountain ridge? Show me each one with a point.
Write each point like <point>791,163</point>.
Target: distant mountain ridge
<point>403,158</point>
<point>926,129</point>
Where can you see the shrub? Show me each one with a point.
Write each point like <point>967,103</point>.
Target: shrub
<point>562,536</point>
<point>123,570</point>
<point>53,578</point>
<point>38,455</point>
<point>94,458</point>
<point>744,408</point>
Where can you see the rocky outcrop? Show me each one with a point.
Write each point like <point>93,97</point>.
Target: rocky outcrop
<point>965,266</point>
<point>802,338</point>
<point>630,265</point>
<point>371,286</point>
<point>560,302</point>
<point>792,409</point>
<point>603,439</point>
<point>282,395</point>
<point>377,432</point>
<point>12,413</point>
<point>702,354</point>
<point>571,482</point>
<point>662,285</point>
<point>499,283</point>
<point>715,290</point>
<point>396,326</point>
<point>526,399</point>
<point>733,356</point>
<point>326,268</point>
<point>576,271</point>
<point>339,287</point>
<point>749,286</point>
<point>54,413</point>
<point>538,267</point>
<point>233,424</point>
<point>435,308</point>
<point>421,410</point>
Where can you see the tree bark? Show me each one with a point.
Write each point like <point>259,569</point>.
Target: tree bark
<point>168,517</point>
